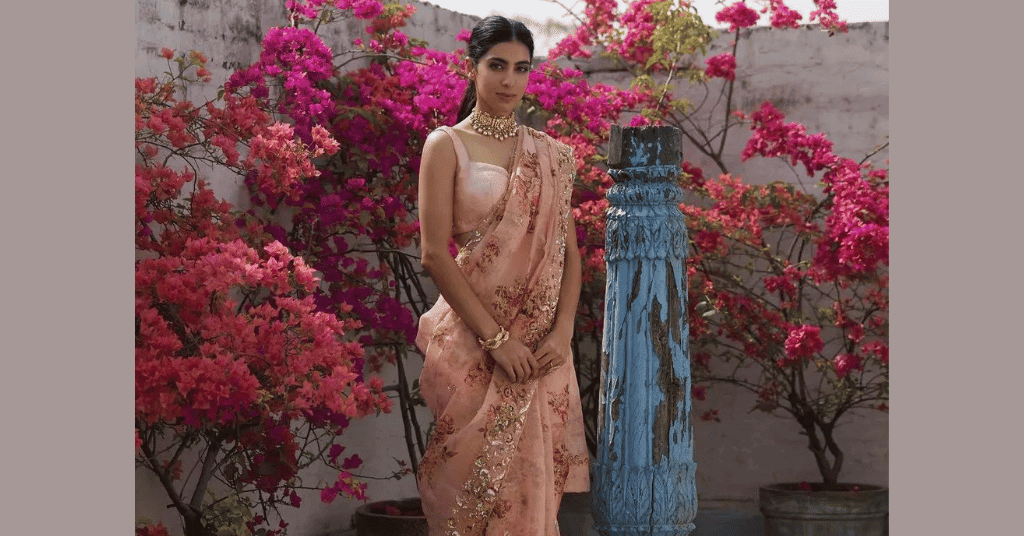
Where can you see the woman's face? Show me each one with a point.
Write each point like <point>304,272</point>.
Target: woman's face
<point>501,76</point>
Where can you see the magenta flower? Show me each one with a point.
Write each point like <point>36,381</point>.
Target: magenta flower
<point>738,16</point>
<point>828,17</point>
<point>803,341</point>
<point>721,66</point>
<point>844,363</point>
<point>783,17</point>
<point>352,462</point>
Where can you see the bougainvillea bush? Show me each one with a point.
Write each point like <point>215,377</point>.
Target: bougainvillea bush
<point>240,381</point>
<point>788,291</point>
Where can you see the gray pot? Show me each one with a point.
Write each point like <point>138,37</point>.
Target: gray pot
<point>789,511</point>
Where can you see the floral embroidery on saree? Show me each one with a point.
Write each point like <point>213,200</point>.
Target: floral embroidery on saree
<point>559,403</point>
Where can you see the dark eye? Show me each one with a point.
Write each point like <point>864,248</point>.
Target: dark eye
<point>496,66</point>
<point>524,68</point>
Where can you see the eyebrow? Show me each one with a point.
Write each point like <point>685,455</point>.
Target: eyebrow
<point>505,62</point>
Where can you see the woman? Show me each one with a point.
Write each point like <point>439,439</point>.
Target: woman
<point>498,372</point>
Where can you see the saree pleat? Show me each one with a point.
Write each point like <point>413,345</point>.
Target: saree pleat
<point>502,453</point>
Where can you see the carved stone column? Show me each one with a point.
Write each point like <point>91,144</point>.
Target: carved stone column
<point>644,473</point>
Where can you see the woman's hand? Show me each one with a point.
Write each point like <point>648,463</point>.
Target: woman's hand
<point>553,352</point>
<point>516,360</point>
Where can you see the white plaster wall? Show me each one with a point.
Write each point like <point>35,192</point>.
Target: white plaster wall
<point>836,85</point>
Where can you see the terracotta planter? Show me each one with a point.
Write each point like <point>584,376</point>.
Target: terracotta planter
<point>373,519</point>
<point>790,511</point>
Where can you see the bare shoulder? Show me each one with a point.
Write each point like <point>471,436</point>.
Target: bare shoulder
<point>438,143</point>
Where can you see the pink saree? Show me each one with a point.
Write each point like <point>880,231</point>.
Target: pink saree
<point>502,453</point>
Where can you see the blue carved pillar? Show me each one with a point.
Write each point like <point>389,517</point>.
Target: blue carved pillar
<point>644,472</point>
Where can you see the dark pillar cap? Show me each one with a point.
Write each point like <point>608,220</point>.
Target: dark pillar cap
<point>644,146</point>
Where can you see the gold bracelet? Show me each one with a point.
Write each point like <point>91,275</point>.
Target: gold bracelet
<point>496,341</point>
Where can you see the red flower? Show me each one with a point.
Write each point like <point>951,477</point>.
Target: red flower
<point>352,462</point>
<point>694,173</point>
<point>152,530</point>
<point>707,240</point>
<point>783,17</point>
<point>336,451</point>
<point>803,341</point>
<point>844,363</point>
<point>738,16</point>
<point>710,415</point>
<point>878,349</point>
<point>721,66</point>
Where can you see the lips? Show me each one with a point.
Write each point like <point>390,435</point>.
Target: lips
<point>507,95</point>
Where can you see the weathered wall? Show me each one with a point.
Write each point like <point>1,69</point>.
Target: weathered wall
<point>836,85</point>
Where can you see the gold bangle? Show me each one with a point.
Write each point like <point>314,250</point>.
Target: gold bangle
<point>496,341</point>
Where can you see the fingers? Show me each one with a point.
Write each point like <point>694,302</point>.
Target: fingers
<point>549,360</point>
<point>518,373</point>
<point>519,364</point>
<point>533,365</point>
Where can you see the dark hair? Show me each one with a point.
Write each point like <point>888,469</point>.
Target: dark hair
<point>487,33</point>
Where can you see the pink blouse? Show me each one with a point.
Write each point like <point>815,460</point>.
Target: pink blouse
<point>478,186</point>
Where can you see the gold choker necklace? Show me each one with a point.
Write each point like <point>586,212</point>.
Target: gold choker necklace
<point>500,128</point>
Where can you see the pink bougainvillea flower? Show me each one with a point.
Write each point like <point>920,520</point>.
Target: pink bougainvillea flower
<point>152,530</point>
<point>352,462</point>
<point>738,15</point>
<point>828,17</point>
<point>721,66</point>
<point>844,363</point>
<point>802,342</point>
<point>783,16</point>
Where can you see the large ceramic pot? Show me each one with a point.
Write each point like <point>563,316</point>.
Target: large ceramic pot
<point>390,518</point>
<point>855,510</point>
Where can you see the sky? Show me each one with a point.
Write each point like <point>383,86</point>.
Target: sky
<point>541,10</point>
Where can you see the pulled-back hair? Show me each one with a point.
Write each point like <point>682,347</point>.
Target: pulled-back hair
<point>487,33</point>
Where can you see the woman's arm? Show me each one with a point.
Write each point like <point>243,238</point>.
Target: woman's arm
<point>436,193</point>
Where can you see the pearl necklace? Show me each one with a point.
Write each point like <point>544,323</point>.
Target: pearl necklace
<point>500,128</point>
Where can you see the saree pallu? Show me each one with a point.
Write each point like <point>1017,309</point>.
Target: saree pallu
<point>502,453</point>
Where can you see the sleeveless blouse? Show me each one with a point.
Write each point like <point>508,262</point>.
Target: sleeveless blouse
<point>478,186</point>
